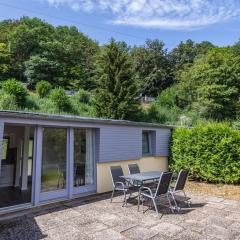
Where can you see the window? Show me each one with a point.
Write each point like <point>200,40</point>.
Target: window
<point>146,143</point>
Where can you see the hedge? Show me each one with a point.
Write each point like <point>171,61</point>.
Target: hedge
<point>210,152</point>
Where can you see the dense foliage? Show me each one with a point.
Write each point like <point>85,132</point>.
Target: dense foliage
<point>192,83</point>
<point>43,88</point>
<point>116,89</point>
<point>16,90</point>
<point>211,152</point>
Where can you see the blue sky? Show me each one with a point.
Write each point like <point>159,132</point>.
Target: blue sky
<point>134,21</point>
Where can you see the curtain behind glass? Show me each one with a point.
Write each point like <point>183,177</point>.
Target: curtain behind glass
<point>83,161</point>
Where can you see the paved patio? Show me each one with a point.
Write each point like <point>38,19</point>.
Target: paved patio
<point>95,218</point>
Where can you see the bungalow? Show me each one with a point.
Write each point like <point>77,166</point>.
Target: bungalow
<point>55,157</point>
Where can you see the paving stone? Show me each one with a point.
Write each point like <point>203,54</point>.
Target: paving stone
<point>68,232</point>
<point>65,213</point>
<point>107,234</point>
<point>167,229</point>
<point>235,227</point>
<point>81,220</point>
<point>219,232</point>
<point>189,235</point>
<point>214,211</point>
<point>122,224</point>
<point>234,216</point>
<point>96,218</point>
<point>193,225</point>
<point>23,229</point>
<point>91,227</point>
<point>231,202</point>
<point>140,233</point>
<point>218,221</point>
<point>214,199</point>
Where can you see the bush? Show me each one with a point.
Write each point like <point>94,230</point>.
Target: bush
<point>7,102</point>
<point>83,96</point>
<point>60,99</point>
<point>43,88</point>
<point>16,90</point>
<point>210,152</point>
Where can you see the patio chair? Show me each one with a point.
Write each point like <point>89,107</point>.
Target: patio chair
<point>119,184</point>
<point>179,187</point>
<point>154,194</point>
<point>133,168</point>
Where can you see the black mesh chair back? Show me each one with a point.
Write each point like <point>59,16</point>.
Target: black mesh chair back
<point>133,168</point>
<point>181,180</point>
<point>116,172</point>
<point>164,183</point>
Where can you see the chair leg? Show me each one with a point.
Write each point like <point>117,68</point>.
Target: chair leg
<point>155,205</point>
<point>138,201</point>
<point>125,199</point>
<point>188,201</point>
<point>175,202</point>
<point>112,194</point>
<point>170,204</point>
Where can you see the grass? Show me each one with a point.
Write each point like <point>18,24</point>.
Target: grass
<point>219,190</point>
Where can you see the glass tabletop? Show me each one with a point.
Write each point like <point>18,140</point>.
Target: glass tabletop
<point>143,176</point>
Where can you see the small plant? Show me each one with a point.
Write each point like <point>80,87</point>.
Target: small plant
<point>15,89</point>
<point>43,88</point>
<point>7,102</point>
<point>83,96</point>
<point>60,99</point>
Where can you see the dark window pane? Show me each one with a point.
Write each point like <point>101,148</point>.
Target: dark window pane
<point>145,143</point>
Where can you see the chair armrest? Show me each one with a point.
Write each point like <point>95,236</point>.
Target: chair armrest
<point>119,184</point>
<point>141,189</point>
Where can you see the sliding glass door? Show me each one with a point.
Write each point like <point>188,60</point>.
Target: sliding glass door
<point>84,166</point>
<point>54,162</point>
<point>67,163</point>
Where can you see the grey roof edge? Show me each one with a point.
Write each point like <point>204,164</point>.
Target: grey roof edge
<point>74,118</point>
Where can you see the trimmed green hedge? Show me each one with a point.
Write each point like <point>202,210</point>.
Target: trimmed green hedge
<point>210,152</point>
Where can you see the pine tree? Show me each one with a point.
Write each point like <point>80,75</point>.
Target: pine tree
<point>116,93</point>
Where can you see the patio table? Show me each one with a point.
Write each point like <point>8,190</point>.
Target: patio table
<point>143,176</point>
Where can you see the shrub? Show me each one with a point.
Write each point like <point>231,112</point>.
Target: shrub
<point>43,88</point>
<point>16,90</point>
<point>7,102</point>
<point>83,96</point>
<point>60,99</point>
<point>210,152</point>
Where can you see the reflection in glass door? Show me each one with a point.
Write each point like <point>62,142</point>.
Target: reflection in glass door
<point>83,159</point>
<point>54,157</point>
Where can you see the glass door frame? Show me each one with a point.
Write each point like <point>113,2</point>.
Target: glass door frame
<point>91,145</point>
<point>55,194</point>
<point>70,191</point>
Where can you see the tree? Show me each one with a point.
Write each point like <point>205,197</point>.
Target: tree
<point>185,53</point>
<point>4,61</point>
<point>116,93</point>
<point>152,68</point>
<point>38,68</point>
<point>212,85</point>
